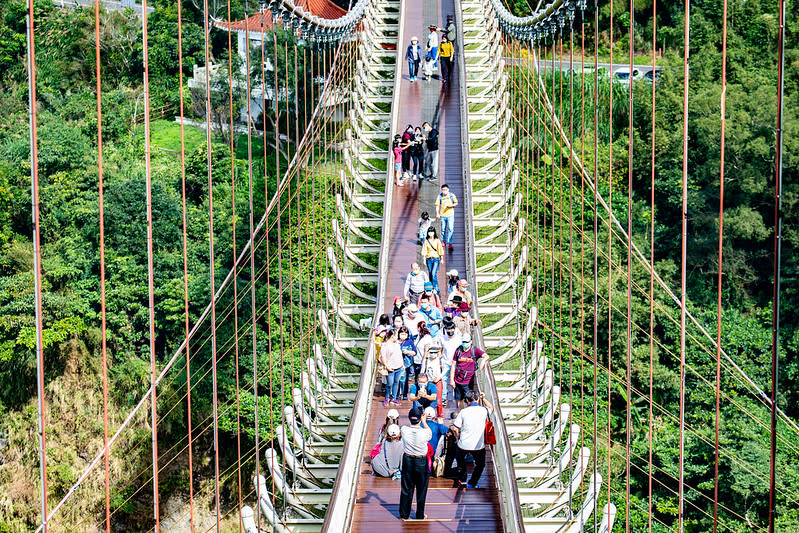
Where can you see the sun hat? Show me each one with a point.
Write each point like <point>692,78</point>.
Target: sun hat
<point>393,430</point>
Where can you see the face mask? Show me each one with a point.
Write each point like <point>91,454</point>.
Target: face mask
<point>415,272</point>
<point>425,306</point>
<point>431,235</point>
<point>449,332</point>
<point>403,337</point>
<point>465,345</point>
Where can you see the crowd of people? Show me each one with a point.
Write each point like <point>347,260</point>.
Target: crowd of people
<point>427,359</point>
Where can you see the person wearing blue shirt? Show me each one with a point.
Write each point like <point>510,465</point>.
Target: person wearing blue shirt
<point>408,349</point>
<point>439,430</point>
<point>423,393</point>
<point>431,314</point>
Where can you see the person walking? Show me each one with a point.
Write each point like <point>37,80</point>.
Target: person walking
<point>424,223</point>
<point>433,252</point>
<point>431,159</point>
<point>413,55</point>
<point>433,297</point>
<point>445,211</point>
<point>391,357</point>
<point>432,44</point>
<point>465,362</point>
<point>447,53</point>
<point>470,426</point>
<point>415,473</point>
<point>450,340</point>
<point>414,284</point>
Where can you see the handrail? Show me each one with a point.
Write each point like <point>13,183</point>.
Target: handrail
<point>318,28</point>
<point>339,513</point>
<point>505,473</point>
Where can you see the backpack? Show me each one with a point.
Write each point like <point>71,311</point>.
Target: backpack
<point>462,375</point>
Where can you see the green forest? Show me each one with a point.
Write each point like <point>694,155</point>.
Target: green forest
<point>67,137</point>
<point>564,239</point>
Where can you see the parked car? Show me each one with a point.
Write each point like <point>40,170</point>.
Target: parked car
<point>652,75</point>
<point>622,75</point>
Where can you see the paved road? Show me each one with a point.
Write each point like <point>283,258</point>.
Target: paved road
<point>564,65</point>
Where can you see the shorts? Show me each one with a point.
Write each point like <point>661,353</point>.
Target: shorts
<point>461,390</point>
<point>398,166</point>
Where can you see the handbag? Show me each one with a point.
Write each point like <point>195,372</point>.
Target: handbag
<point>381,369</point>
<point>490,436</point>
<point>376,450</point>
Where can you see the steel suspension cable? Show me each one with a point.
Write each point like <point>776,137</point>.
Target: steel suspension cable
<point>37,264</point>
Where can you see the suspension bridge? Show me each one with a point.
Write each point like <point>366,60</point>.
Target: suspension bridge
<point>552,261</point>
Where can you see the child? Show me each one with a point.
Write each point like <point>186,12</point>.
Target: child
<point>397,150</point>
<point>424,223</point>
<point>427,68</point>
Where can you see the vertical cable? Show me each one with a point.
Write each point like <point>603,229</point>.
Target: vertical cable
<point>37,264</point>
<point>723,141</point>
<point>596,246</point>
<point>103,336</point>
<point>610,239</point>
<point>211,259</point>
<point>150,272</point>
<point>629,272</point>
<point>683,266</point>
<point>235,266</point>
<point>775,323</point>
<point>251,221</point>
<point>652,273</point>
<point>185,268</point>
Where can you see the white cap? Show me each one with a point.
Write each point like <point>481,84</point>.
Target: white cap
<point>412,308</point>
<point>452,272</point>
<point>466,338</point>
<point>393,413</point>
<point>393,430</point>
<point>429,412</point>
<point>414,38</point>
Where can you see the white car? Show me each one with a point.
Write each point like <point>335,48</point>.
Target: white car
<point>622,75</point>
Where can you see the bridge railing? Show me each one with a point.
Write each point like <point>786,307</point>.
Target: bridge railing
<point>502,458</point>
<point>339,513</point>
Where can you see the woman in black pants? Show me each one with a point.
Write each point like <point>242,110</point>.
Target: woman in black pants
<point>417,153</point>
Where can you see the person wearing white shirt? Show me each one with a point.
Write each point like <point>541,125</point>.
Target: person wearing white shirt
<point>470,426</point>
<point>415,474</point>
<point>449,337</point>
<point>432,45</point>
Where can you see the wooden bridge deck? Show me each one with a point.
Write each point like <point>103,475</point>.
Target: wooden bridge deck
<point>448,508</point>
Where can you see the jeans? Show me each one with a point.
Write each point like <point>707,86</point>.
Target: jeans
<point>418,164</point>
<point>415,475</point>
<point>410,371</point>
<point>434,55</point>
<point>432,268</point>
<point>392,384</point>
<point>479,465</point>
<point>431,163</point>
<point>447,229</point>
<point>413,68</point>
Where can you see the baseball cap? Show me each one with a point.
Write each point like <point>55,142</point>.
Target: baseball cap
<point>414,39</point>
<point>429,412</point>
<point>466,338</point>
<point>393,430</point>
<point>393,413</point>
<point>452,272</point>
<point>448,323</point>
<point>428,286</point>
<point>412,308</point>
<point>415,415</point>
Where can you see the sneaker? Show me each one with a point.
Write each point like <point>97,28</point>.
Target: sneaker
<point>385,402</point>
<point>461,484</point>
<point>451,247</point>
<point>470,486</point>
<point>418,242</point>
<point>395,402</point>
